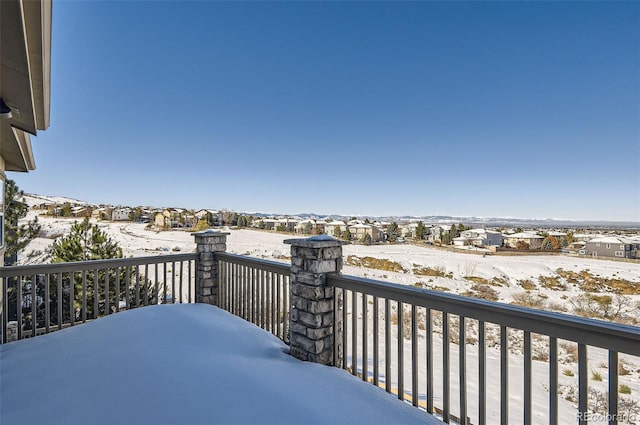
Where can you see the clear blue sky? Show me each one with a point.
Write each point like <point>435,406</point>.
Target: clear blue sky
<point>527,110</point>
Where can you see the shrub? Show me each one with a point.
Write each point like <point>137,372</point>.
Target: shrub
<point>568,372</point>
<point>624,389</point>
<point>596,376</point>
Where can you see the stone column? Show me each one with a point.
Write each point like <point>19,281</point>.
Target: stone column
<point>207,280</point>
<point>311,330</point>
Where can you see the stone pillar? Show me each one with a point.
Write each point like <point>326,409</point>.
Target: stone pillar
<point>311,330</point>
<point>207,280</point>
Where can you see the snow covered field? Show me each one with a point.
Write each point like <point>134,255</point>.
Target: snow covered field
<point>453,268</point>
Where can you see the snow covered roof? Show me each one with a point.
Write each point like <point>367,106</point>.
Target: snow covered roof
<point>336,223</point>
<point>611,239</point>
<point>556,233</point>
<point>524,235</point>
<point>361,226</point>
<point>181,364</point>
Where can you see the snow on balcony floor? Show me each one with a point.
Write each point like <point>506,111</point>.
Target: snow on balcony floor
<point>180,364</point>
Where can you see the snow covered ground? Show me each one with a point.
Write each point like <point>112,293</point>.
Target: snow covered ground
<point>180,364</point>
<point>509,271</point>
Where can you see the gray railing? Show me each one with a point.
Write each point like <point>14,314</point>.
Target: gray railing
<point>38,299</point>
<point>383,324</point>
<point>256,290</point>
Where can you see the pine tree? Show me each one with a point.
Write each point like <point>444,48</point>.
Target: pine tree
<point>85,242</point>
<point>346,235</point>
<point>420,231</point>
<point>393,231</point>
<point>17,236</point>
<point>336,231</point>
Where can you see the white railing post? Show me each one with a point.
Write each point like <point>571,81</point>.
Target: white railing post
<point>207,278</point>
<point>311,333</point>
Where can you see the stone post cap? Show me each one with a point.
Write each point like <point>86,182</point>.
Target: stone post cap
<point>320,241</point>
<point>210,232</point>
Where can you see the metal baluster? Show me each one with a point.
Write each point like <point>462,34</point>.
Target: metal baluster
<point>117,298</point>
<point>354,333</point>
<point>414,355</point>
<point>190,285</point>
<point>157,284</point>
<point>34,311</point>
<point>84,296</point>
<point>613,387</point>
<point>47,303</point>
<point>59,288</point>
<point>345,363</point>
<point>72,287</point>
<point>5,309</point>
<point>173,282</point>
<point>376,350</point>
<point>482,374</point>
<point>164,283</point>
<point>504,376</point>
<point>278,283</point>
<point>365,342</point>
<point>127,292</point>
<point>182,278</point>
<point>429,349</point>
<point>387,345</point>
<point>527,378</point>
<point>582,384</point>
<point>400,350</point>
<point>96,285</point>
<point>445,368</point>
<point>462,370</point>
<point>137,286</point>
<point>553,381</point>
<point>19,280</point>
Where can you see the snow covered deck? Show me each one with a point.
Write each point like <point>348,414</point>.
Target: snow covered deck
<point>181,364</point>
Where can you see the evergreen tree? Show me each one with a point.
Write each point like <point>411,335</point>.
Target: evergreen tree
<point>346,235</point>
<point>85,242</point>
<point>420,231</point>
<point>307,228</point>
<point>367,239</point>
<point>336,231</point>
<point>17,236</point>
<point>393,231</point>
<point>66,210</point>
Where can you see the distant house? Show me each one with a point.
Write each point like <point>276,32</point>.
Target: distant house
<point>532,240</point>
<point>481,237</point>
<point>289,224</point>
<point>102,213</point>
<point>214,216</point>
<point>120,214</point>
<point>436,232</point>
<point>305,227</point>
<point>612,246</point>
<point>359,232</point>
<point>330,228</point>
<point>81,211</point>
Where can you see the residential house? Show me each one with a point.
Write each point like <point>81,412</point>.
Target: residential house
<point>214,216</point>
<point>330,228</point>
<point>531,239</point>
<point>102,213</point>
<point>612,246</point>
<point>480,237</point>
<point>359,231</point>
<point>305,227</point>
<point>121,214</point>
<point>80,211</point>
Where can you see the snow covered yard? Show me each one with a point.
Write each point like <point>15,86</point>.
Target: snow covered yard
<point>181,364</point>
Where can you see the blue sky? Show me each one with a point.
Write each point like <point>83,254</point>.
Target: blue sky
<point>505,109</point>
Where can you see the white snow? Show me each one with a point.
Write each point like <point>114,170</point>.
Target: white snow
<point>181,364</point>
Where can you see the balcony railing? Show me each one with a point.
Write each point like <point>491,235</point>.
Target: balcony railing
<point>38,299</point>
<point>410,327</point>
<point>256,290</point>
